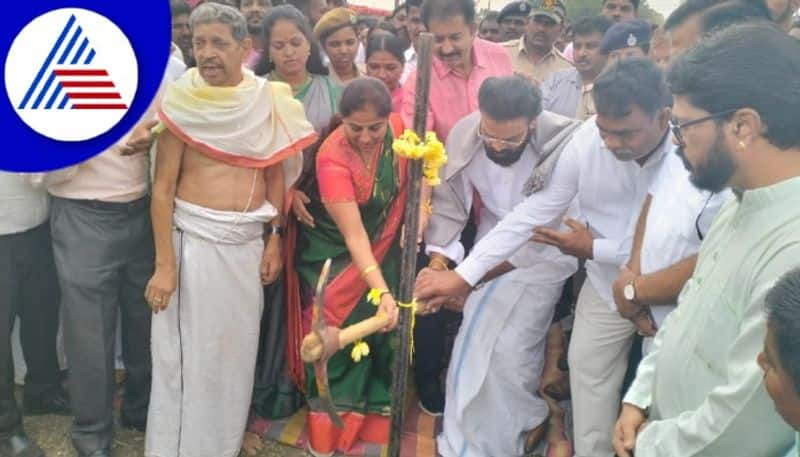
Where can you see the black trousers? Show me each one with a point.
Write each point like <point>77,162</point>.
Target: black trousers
<point>104,255</point>
<point>28,290</point>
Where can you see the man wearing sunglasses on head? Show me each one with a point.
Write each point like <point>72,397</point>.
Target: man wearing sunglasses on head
<point>500,355</point>
<point>607,167</point>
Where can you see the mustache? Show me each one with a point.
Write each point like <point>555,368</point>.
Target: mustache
<point>210,61</point>
<point>450,54</point>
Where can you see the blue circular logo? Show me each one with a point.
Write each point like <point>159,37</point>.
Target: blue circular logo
<point>77,76</point>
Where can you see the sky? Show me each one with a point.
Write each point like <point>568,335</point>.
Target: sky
<point>662,6</point>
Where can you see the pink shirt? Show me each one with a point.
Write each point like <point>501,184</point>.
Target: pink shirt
<point>397,100</point>
<point>452,96</point>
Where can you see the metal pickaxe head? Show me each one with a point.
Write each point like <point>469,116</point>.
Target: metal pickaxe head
<point>330,341</point>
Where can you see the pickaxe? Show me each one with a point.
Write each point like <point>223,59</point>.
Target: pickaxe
<point>324,341</point>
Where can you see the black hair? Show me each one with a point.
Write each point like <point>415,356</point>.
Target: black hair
<point>628,83</point>
<point>381,40</point>
<point>368,21</point>
<point>323,37</point>
<point>289,13</point>
<point>400,7</point>
<point>490,16</point>
<point>730,13</point>
<point>179,7</point>
<point>505,98</point>
<point>384,26</point>
<point>592,24</point>
<point>413,4</point>
<point>445,9</point>
<point>363,92</point>
<point>752,65</point>
<point>783,317</point>
<point>635,4</point>
<point>687,10</point>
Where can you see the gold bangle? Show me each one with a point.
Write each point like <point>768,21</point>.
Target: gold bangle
<point>439,262</point>
<point>368,270</point>
<point>427,208</point>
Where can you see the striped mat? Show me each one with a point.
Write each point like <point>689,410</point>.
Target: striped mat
<point>418,435</point>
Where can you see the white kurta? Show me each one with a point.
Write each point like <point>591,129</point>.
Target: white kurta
<point>678,210</point>
<point>204,344</point>
<point>498,355</point>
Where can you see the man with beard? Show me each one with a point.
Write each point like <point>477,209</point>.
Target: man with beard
<point>460,65</point>
<point>512,19</point>
<point>399,19</point>
<point>534,55</point>
<point>698,392</point>
<point>217,200</point>
<point>498,357</point>
<point>569,92</point>
<point>608,166</point>
<point>254,11</point>
<point>181,32</point>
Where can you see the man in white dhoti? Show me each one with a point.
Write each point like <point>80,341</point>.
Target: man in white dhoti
<point>608,166</point>
<point>232,143</point>
<point>498,356</point>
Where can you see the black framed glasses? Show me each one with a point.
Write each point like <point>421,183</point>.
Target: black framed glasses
<point>676,127</point>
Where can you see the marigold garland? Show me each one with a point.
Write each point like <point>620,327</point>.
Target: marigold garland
<point>431,152</point>
<point>360,347</point>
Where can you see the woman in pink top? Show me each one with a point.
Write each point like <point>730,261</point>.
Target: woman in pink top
<point>385,61</point>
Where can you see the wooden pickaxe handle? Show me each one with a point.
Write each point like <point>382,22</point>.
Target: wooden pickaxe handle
<point>312,347</point>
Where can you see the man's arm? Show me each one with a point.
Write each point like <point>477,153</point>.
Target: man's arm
<point>168,168</point>
<point>545,207</point>
<point>663,287</point>
<point>272,262</point>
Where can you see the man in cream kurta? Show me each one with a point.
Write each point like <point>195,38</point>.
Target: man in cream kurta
<point>498,355</point>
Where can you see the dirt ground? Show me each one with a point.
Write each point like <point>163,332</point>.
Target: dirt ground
<point>52,434</point>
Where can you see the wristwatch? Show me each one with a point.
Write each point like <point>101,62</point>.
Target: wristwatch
<point>629,292</point>
<point>275,230</point>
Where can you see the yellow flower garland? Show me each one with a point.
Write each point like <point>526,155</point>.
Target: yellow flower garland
<point>360,347</point>
<point>431,152</point>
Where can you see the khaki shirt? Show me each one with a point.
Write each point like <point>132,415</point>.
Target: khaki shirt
<point>541,70</point>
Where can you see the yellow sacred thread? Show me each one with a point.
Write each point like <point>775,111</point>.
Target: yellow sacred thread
<point>413,306</point>
<point>431,152</point>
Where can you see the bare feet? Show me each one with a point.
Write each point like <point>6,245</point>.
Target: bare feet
<point>252,444</point>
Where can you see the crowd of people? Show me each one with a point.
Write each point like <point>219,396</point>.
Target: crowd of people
<point>617,224</point>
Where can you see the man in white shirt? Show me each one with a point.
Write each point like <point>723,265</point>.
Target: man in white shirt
<point>673,221</point>
<point>498,358</point>
<point>28,289</point>
<point>608,167</point>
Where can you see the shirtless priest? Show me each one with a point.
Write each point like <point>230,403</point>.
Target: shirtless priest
<point>231,145</point>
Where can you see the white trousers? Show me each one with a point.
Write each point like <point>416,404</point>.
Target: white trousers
<point>598,357</point>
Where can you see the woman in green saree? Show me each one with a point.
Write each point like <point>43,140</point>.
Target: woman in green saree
<point>358,221</point>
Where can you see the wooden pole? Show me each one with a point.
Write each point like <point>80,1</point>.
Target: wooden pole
<point>408,268</point>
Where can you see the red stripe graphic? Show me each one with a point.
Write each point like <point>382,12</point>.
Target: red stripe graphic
<point>90,95</point>
<point>87,84</point>
<point>99,106</point>
<point>63,72</point>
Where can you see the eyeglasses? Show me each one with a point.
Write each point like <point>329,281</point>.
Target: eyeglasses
<point>502,143</point>
<point>677,127</point>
